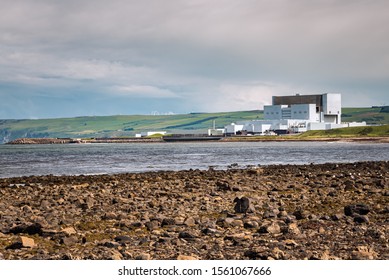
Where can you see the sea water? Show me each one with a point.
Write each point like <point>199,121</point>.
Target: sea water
<point>76,159</point>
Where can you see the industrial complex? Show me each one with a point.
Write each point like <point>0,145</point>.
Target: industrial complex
<point>294,114</point>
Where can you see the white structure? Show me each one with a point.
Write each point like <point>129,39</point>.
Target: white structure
<point>323,108</point>
<point>149,133</point>
<point>216,131</point>
<point>296,113</point>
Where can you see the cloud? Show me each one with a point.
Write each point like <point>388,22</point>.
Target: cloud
<point>233,54</point>
<point>143,91</point>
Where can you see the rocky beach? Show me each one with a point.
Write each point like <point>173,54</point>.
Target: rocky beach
<point>322,211</point>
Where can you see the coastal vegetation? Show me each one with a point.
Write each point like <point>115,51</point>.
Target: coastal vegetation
<point>348,132</point>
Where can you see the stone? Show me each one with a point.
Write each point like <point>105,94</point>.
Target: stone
<point>251,224</point>
<point>293,229</point>
<point>278,254</point>
<point>290,243</point>
<point>143,257</point>
<point>111,244</point>
<point>237,223</point>
<point>223,186</point>
<point>152,225</point>
<point>68,241</point>
<point>186,235</point>
<point>30,229</point>
<point>361,219</point>
<point>364,253</point>
<point>242,205</point>
<point>27,242</point>
<point>122,239</point>
<point>300,214</point>
<point>273,228</point>
<point>360,209</point>
<point>190,222</point>
<point>186,258</point>
<point>116,255</point>
<point>168,222</point>
<point>109,216</point>
<point>69,231</point>
<point>337,217</point>
<point>210,231</point>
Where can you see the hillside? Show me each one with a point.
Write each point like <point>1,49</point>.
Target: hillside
<point>376,115</point>
<point>366,131</point>
<point>127,126</point>
<point>118,126</point>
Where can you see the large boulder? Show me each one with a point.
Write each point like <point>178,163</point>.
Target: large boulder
<point>360,209</point>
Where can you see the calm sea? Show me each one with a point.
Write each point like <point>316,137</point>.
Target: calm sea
<point>75,159</point>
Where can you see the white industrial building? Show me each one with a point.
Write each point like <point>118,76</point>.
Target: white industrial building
<point>294,114</point>
<point>149,133</point>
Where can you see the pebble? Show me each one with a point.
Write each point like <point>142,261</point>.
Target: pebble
<point>278,212</point>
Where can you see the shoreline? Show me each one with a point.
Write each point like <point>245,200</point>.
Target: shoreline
<point>34,141</point>
<point>316,211</point>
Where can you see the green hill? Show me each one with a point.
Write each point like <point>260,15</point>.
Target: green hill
<point>127,126</point>
<point>364,131</point>
<point>375,115</point>
<point>118,126</point>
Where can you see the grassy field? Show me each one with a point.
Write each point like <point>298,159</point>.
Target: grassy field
<point>119,126</point>
<point>127,126</point>
<point>369,115</point>
<point>367,131</point>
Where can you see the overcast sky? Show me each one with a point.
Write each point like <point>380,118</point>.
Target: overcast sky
<point>98,57</point>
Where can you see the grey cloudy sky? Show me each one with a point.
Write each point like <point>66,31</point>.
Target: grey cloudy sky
<point>95,57</point>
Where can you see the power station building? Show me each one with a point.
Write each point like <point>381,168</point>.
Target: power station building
<point>296,113</point>
<point>322,108</point>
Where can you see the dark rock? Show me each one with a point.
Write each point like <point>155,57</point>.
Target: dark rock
<point>255,255</point>
<point>273,228</point>
<point>360,219</point>
<point>111,244</point>
<point>168,222</point>
<point>186,235</point>
<point>300,214</point>
<point>143,257</point>
<point>152,225</point>
<point>242,205</point>
<point>30,229</point>
<point>337,217</point>
<point>122,239</point>
<point>223,186</point>
<point>210,231</point>
<point>271,214</point>
<point>360,209</point>
<point>251,224</point>
<point>136,225</point>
